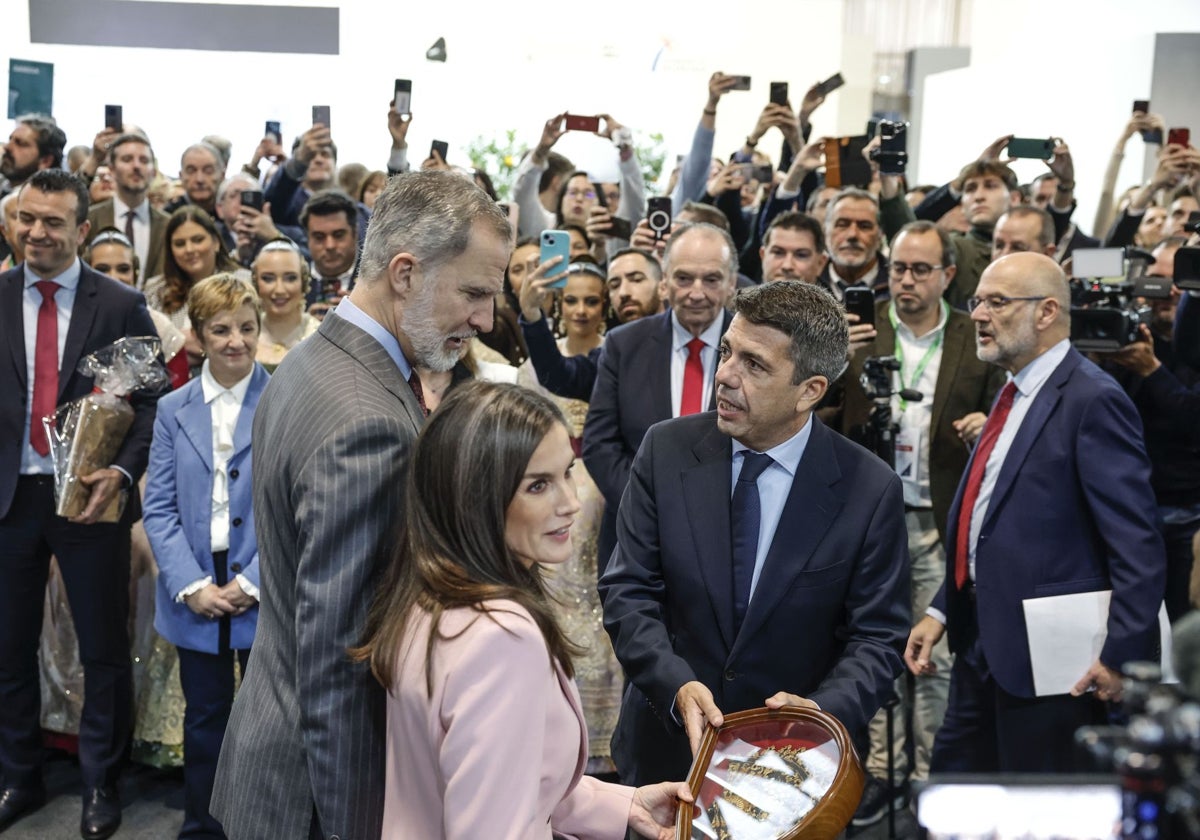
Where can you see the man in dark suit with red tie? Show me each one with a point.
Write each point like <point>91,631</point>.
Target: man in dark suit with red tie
<point>659,367</point>
<point>56,311</point>
<point>1056,501</point>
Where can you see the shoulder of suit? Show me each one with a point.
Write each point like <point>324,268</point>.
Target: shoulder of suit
<point>180,396</point>
<point>640,329</point>
<point>99,207</point>
<point>497,618</point>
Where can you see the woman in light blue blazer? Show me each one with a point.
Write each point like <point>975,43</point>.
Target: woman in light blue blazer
<point>199,517</point>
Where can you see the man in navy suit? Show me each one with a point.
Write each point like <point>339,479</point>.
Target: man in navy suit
<point>659,367</point>
<point>761,557</point>
<point>56,311</point>
<point>1055,501</point>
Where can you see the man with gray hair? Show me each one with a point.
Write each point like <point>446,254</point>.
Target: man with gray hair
<point>303,754</point>
<point>760,556</point>
<point>201,169</point>
<point>659,367</point>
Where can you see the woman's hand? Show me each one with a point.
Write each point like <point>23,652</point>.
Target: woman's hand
<point>210,602</point>
<point>652,813</point>
<point>534,290</point>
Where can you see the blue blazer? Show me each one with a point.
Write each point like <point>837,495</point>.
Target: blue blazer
<point>178,512</point>
<point>1072,511</point>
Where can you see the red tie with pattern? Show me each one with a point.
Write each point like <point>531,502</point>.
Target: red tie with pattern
<point>45,367</point>
<point>987,442</point>
<point>693,379</point>
<point>414,382</point>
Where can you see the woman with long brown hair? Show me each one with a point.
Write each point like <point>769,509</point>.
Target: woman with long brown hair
<point>485,734</point>
<point>194,251</point>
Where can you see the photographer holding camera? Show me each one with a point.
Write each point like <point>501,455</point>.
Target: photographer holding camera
<point>1166,391</point>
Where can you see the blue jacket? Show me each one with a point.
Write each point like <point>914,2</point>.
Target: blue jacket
<point>178,511</point>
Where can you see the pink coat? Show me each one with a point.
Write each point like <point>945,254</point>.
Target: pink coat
<point>499,749</point>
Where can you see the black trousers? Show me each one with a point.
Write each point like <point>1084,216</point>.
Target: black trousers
<point>94,561</point>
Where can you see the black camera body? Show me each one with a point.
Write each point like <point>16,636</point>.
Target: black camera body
<point>1107,315</point>
<point>1187,262</point>
<point>892,153</point>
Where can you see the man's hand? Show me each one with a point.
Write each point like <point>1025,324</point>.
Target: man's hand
<point>718,85</point>
<point>969,427</point>
<point>311,142</point>
<point>237,597</point>
<point>106,484</point>
<point>731,177</point>
<point>813,99</point>
<point>789,126</point>
<point>1103,680</point>
<point>1138,356</point>
<point>268,149</point>
<point>534,290</point>
<point>652,812</point>
<point>398,127</point>
<point>257,224</point>
<point>992,150</point>
<point>607,126</point>
<point>695,707</point>
<point>434,161</point>
<point>551,132</point>
<point>643,238</point>
<point>917,655</point>
<point>1063,169</point>
<point>102,143</point>
<point>861,335</point>
<point>767,119</point>
<point>782,698</point>
<point>210,602</point>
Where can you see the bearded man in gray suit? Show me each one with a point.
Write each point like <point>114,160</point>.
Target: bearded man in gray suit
<point>303,754</point>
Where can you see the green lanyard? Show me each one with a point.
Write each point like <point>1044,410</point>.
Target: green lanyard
<point>899,352</point>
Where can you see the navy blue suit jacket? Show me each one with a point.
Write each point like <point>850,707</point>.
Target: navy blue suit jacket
<point>632,393</point>
<point>105,310</point>
<point>1072,511</point>
<point>827,620</point>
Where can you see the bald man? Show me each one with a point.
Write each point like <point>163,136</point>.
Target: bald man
<point>1056,500</point>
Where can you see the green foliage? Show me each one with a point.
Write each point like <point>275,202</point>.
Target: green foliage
<point>499,159</point>
<point>651,154</point>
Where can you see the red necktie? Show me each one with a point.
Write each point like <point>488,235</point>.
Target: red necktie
<point>414,382</point>
<point>45,367</point>
<point>693,379</point>
<point>987,442</point>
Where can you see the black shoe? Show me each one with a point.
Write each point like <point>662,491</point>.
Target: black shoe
<point>17,802</point>
<point>101,813</point>
<point>874,803</point>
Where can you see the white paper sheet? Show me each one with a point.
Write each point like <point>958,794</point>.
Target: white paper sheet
<point>1066,634</point>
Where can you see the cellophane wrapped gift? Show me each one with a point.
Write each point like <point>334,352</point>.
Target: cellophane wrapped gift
<point>86,434</point>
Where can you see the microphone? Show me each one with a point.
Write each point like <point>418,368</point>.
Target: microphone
<point>909,395</point>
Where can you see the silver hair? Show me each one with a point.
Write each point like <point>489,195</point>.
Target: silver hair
<point>731,264</point>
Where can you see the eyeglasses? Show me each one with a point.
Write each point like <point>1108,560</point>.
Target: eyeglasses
<point>994,303</point>
<point>920,271</point>
<point>589,194</point>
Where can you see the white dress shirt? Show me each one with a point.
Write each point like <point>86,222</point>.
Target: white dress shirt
<point>141,232</point>
<point>31,462</point>
<point>916,418</point>
<point>708,357</point>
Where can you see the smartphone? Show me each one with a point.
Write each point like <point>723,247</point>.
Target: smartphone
<point>403,96</point>
<point>861,302</point>
<point>742,83</point>
<point>441,147</point>
<point>556,243</point>
<point>872,127</point>
<point>621,229</point>
<point>845,165</point>
<point>1024,147</point>
<point>1180,136</point>
<point>1150,135</point>
<point>658,216</point>
<point>272,130</point>
<point>321,115</point>
<point>574,122</point>
<point>831,84</point>
<point>113,118</point>
<point>253,199</point>
<point>779,93</point>
<point>892,153</point>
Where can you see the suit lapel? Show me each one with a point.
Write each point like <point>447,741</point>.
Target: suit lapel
<point>707,488</point>
<point>954,344</point>
<point>158,234</point>
<point>13,319</point>
<point>1031,427</point>
<point>572,694</point>
<point>82,316</point>
<point>808,513</point>
<point>371,354</point>
<point>659,388</point>
<point>195,419</point>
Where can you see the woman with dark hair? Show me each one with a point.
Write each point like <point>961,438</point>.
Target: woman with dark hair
<point>485,733</point>
<point>194,251</point>
<point>576,197</point>
<point>372,185</point>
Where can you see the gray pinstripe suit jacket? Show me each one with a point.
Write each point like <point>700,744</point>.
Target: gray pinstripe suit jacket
<point>305,740</point>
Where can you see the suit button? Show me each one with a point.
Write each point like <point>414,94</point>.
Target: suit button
<point>233,473</point>
<point>236,522</point>
<point>235,568</point>
<point>730,675</point>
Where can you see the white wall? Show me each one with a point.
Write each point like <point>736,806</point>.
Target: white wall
<point>511,65</point>
<point>1069,69</point>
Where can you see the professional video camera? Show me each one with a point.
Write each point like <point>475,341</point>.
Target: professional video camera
<point>879,432</point>
<point>1157,755</point>
<point>1108,297</point>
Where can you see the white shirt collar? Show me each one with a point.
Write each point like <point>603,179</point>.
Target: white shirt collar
<point>120,208</point>
<point>213,389</point>
<point>906,330</point>
<point>68,279</point>
<point>711,335</point>
<point>788,453</point>
<point>1033,376</point>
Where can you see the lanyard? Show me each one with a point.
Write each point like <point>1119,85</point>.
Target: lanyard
<point>899,352</point>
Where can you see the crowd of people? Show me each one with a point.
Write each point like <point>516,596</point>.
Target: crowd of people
<point>448,540</point>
